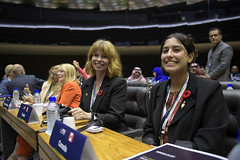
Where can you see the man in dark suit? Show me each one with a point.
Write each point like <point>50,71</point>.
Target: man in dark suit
<point>219,57</point>
<point>20,80</point>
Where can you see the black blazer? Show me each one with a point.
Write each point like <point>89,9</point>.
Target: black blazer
<point>110,105</point>
<point>201,124</point>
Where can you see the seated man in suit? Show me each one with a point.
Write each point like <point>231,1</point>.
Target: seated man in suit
<point>20,80</point>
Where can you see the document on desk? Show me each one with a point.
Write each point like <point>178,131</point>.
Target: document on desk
<point>173,152</point>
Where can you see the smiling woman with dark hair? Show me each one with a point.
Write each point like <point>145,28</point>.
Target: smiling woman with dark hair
<point>185,110</point>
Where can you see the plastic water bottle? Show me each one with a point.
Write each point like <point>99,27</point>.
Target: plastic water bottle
<point>53,114</point>
<point>229,87</point>
<point>16,96</point>
<point>36,97</point>
<point>235,152</point>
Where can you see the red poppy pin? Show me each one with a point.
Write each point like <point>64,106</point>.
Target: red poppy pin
<point>100,92</point>
<point>186,94</point>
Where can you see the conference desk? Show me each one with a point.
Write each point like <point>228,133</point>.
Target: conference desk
<point>107,144</point>
<point>11,125</point>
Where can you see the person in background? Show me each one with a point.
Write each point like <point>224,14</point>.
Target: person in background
<point>104,94</point>
<point>80,70</point>
<point>235,72</point>
<point>202,69</point>
<point>219,57</point>
<point>195,69</point>
<point>70,94</point>
<point>136,75</point>
<point>21,79</point>
<point>6,78</point>
<point>159,76</point>
<point>185,110</point>
<point>50,88</point>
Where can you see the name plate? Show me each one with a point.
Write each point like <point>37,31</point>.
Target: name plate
<point>28,114</point>
<point>70,143</point>
<point>9,103</point>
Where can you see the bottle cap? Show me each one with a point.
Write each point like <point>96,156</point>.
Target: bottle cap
<point>52,99</point>
<point>36,91</point>
<point>229,85</point>
<point>15,88</point>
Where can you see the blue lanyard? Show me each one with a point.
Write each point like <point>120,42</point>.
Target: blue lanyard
<point>166,115</point>
<point>94,95</point>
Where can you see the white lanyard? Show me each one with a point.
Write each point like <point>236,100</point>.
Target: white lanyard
<point>167,114</point>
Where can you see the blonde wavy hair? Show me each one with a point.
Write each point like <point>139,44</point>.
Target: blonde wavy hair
<point>8,69</point>
<point>114,67</point>
<point>70,72</point>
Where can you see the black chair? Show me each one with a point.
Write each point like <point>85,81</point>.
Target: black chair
<point>235,85</point>
<point>137,84</point>
<point>136,110</point>
<point>232,98</point>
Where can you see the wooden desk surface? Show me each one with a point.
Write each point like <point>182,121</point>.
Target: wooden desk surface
<point>108,145</point>
<point>28,131</point>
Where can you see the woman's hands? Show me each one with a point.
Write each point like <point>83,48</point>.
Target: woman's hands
<point>79,114</point>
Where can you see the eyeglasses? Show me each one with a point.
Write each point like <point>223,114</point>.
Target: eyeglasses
<point>54,74</point>
<point>60,70</point>
<point>214,35</point>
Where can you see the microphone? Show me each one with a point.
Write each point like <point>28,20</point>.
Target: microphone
<point>64,111</point>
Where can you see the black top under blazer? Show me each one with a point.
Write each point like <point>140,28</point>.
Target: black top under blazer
<point>201,124</point>
<point>110,105</point>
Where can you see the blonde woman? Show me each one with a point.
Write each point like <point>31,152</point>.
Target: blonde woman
<point>50,88</point>
<point>104,94</point>
<point>6,78</point>
<point>70,94</point>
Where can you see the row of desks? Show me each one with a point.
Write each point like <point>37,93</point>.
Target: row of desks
<point>108,144</point>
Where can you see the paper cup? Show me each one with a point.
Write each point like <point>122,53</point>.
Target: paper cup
<point>38,108</point>
<point>69,121</point>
